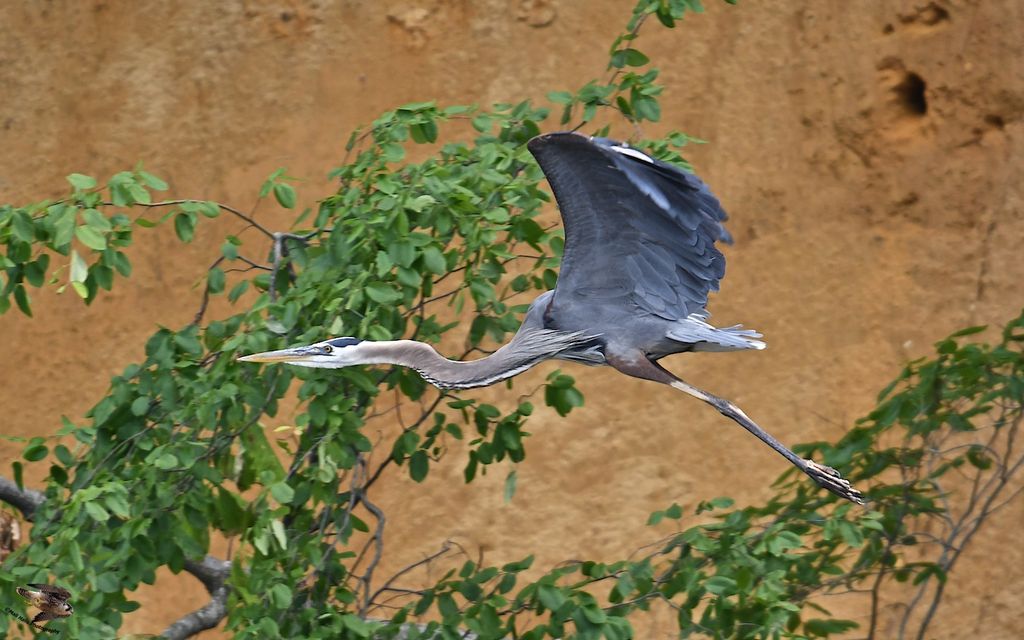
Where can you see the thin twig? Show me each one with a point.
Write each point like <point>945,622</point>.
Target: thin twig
<point>229,209</point>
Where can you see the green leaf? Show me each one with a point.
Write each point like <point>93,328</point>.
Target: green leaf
<point>419,203</point>
<point>81,182</point>
<point>282,492</point>
<point>96,512</point>
<point>262,543</point>
<point>215,280</point>
<point>550,596</point>
<point>434,260</point>
<point>510,485</point>
<point>238,290</point>
<point>18,470</point>
<point>560,97</point>
<point>81,290</point>
<point>647,109</point>
<point>979,458</point>
<point>35,271</point>
<point>36,452</point>
<point>138,193</point>
<point>79,269</point>
<point>356,625</point>
<point>140,406</point>
<point>116,503</point>
<point>64,455</point>
<point>721,585</point>
<point>284,193</point>
<point>280,596</point>
<point>595,615</point>
<point>423,132</point>
<point>628,58</point>
<point>24,228</point>
<point>393,152</point>
<point>184,226</point>
<point>229,250</point>
<point>209,209</point>
<point>417,106</point>
<point>21,298</point>
<point>382,293</point>
<point>152,181</point>
<point>96,221</point>
<point>823,628</point>
<point>166,461</point>
<point>419,465</point>
<point>91,238</point>
<point>277,527</point>
<point>64,227</point>
<point>969,331</point>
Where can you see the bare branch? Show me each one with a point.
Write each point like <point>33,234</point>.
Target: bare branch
<point>206,293</point>
<point>445,548</point>
<point>24,500</point>
<point>213,573</point>
<point>378,548</point>
<point>231,210</point>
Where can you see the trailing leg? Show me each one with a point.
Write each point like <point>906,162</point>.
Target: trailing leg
<point>825,476</point>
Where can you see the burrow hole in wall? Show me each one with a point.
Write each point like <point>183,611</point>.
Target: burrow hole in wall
<point>911,94</point>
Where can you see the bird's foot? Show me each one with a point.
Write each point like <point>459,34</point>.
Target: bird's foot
<point>831,479</point>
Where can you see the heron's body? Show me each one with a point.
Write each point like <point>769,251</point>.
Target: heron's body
<point>639,262</point>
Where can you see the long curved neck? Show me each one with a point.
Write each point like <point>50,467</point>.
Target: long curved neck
<point>452,374</point>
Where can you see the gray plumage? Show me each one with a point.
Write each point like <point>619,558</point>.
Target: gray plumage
<point>639,262</point>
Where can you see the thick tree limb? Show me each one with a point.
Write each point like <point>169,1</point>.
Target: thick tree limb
<point>24,500</point>
<point>213,573</point>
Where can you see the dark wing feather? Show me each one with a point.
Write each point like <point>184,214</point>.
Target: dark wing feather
<point>43,616</point>
<point>637,230</point>
<point>58,592</point>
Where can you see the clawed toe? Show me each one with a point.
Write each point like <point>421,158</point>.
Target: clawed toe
<point>832,480</point>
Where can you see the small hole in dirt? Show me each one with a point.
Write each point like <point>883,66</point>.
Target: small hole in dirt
<point>933,14</point>
<point>286,16</point>
<point>887,29</point>
<point>911,93</point>
<point>995,121</point>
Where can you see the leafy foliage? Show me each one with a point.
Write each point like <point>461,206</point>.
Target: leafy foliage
<point>410,249</point>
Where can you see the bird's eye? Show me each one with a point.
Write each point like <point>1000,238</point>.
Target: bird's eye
<point>327,348</point>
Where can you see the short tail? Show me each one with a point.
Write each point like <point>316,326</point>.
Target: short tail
<point>704,337</point>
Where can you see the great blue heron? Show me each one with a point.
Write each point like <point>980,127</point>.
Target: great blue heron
<point>639,261</point>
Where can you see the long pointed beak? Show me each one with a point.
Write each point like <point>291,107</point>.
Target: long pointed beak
<point>283,355</point>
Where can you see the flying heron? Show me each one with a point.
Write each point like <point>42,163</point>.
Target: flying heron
<point>639,261</point>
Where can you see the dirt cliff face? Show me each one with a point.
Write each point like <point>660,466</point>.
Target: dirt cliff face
<point>869,157</point>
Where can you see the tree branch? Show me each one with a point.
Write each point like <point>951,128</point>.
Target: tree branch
<point>213,573</point>
<point>24,500</point>
<point>170,203</point>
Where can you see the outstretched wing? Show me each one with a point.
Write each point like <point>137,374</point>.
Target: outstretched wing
<point>58,592</point>
<point>638,231</point>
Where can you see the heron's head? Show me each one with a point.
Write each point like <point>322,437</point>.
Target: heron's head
<point>329,354</point>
